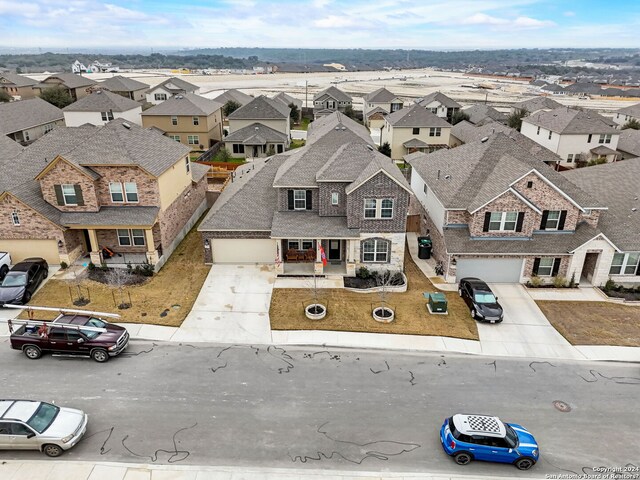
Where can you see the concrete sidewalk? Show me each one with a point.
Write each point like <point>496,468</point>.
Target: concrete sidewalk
<point>63,470</point>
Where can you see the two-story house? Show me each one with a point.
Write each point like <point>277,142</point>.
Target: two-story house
<point>169,88</point>
<point>535,104</point>
<point>481,113</point>
<point>81,189</point>
<point>126,87</point>
<point>18,86</point>
<point>626,114</point>
<point>261,127</point>
<point>288,100</point>
<point>414,129</point>
<point>379,101</point>
<point>330,207</point>
<point>330,100</point>
<point>439,104</point>
<point>574,135</point>
<point>27,120</point>
<point>190,119</point>
<point>629,143</point>
<point>75,85</point>
<point>497,212</point>
<point>101,107</point>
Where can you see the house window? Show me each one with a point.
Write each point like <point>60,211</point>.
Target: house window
<point>605,138</point>
<point>115,188</point>
<point>395,107</point>
<point>570,158</point>
<point>26,136</point>
<point>127,238</point>
<point>416,131</point>
<point>124,240</point>
<point>435,131</point>
<point>15,218</point>
<point>106,116</point>
<point>299,244</point>
<point>378,208</point>
<point>137,234</point>
<point>538,131</point>
<point>589,138</point>
<point>48,127</point>
<point>69,194</point>
<point>370,208</point>
<point>193,139</point>
<point>335,198</point>
<point>386,208</point>
<point>175,137</point>
<point>529,184</point>
<point>174,120</point>
<point>238,148</point>
<point>434,110</point>
<point>187,164</point>
<point>131,192</point>
<point>624,263</point>
<point>280,148</point>
<point>375,250</point>
<point>160,96</point>
<point>196,120</point>
<point>503,221</point>
<point>546,267</point>
<point>550,133</point>
<point>552,220</point>
<point>299,199</point>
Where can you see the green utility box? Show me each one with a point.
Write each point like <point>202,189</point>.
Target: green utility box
<point>437,303</point>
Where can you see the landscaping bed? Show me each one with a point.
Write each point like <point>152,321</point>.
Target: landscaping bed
<point>614,290</point>
<point>370,280</point>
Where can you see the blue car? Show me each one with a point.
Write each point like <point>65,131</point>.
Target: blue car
<point>487,438</point>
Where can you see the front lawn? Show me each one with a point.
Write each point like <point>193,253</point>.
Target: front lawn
<point>351,312</point>
<point>165,299</point>
<point>296,144</point>
<point>594,323</point>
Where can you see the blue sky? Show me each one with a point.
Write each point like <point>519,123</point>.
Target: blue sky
<point>423,24</point>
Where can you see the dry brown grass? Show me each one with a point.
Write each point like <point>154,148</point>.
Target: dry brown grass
<point>594,323</point>
<point>177,284</point>
<point>349,311</point>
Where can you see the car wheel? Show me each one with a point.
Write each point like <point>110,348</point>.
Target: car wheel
<point>462,458</point>
<point>51,450</point>
<point>99,355</point>
<point>27,297</point>
<point>3,271</point>
<point>32,352</point>
<point>525,463</point>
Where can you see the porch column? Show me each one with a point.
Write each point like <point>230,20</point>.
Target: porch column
<point>351,258</point>
<point>152,253</point>
<point>95,253</point>
<point>318,268</point>
<point>279,255</point>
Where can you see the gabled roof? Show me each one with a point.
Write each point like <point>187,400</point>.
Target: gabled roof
<point>336,121</point>
<point>381,95</point>
<point>187,104</point>
<point>583,87</point>
<point>383,113</point>
<point>603,150</point>
<point>177,85</point>
<point>9,148</point>
<point>480,112</point>
<point>632,110</point>
<point>415,116</point>
<point>102,101</point>
<point>24,114</point>
<point>122,84</point>
<point>469,176</point>
<point>261,108</point>
<point>630,141</point>
<point>567,121</point>
<point>233,95</point>
<point>537,103</point>
<point>288,99</point>
<point>16,80</point>
<point>415,143</point>
<point>616,186</point>
<point>333,92</point>
<point>438,97</point>
<point>70,80</point>
<point>256,134</point>
<point>379,164</point>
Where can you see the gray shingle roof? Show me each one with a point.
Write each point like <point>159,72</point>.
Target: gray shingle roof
<point>261,108</point>
<point>320,127</point>
<point>233,95</point>
<point>16,80</point>
<point>381,95</point>
<point>9,148</point>
<point>479,112</point>
<point>333,92</point>
<point>288,99</point>
<point>468,176</point>
<point>566,121</point>
<point>633,110</point>
<point>70,80</point>
<point>310,225</point>
<point>24,114</point>
<point>102,101</point>
<point>439,97</point>
<point>123,84</point>
<point>616,186</point>
<point>377,110</point>
<point>177,85</point>
<point>115,216</point>
<point>247,135</point>
<point>537,103</point>
<point>187,104</point>
<point>630,141</point>
<point>602,150</point>
<point>415,116</point>
<point>415,143</point>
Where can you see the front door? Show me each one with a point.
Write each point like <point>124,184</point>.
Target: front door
<point>334,250</point>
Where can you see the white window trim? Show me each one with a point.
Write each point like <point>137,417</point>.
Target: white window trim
<point>106,116</point>
<point>557,220</point>
<point>15,218</point>
<point>193,139</point>
<point>175,137</point>
<point>195,120</point>
<point>130,236</point>
<point>435,131</point>
<point>126,197</point>
<point>64,196</point>
<point>304,200</point>
<point>550,267</point>
<point>121,192</point>
<point>173,117</point>
<point>625,263</point>
<point>187,164</point>
<point>376,250</point>
<point>160,96</point>
<point>299,241</point>
<point>503,221</point>
<point>335,198</point>
<point>378,210</point>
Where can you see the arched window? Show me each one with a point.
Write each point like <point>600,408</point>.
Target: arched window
<point>375,250</point>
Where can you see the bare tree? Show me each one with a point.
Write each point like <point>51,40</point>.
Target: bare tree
<point>314,288</point>
<point>119,278</point>
<point>384,281</point>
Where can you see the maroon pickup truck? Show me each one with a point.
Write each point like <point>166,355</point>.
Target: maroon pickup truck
<point>82,335</point>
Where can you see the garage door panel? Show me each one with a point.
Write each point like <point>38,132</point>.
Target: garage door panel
<point>230,250</point>
<point>498,270</point>
<point>21,249</point>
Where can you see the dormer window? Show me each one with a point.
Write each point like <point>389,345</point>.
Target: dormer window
<point>115,188</point>
<point>335,198</point>
<point>69,195</point>
<point>299,200</point>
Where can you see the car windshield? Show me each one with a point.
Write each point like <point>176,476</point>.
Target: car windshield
<point>484,297</point>
<point>511,437</point>
<point>44,417</point>
<point>93,322</point>
<point>15,280</point>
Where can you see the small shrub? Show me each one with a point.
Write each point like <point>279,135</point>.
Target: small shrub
<point>91,266</point>
<point>609,285</point>
<point>363,273</point>
<point>572,282</point>
<point>535,281</point>
<point>146,270</point>
<point>559,282</point>
<point>64,265</point>
<point>104,267</point>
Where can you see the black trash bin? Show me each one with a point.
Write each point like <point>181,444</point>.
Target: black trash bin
<point>424,247</point>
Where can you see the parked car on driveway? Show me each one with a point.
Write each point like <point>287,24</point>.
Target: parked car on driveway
<point>487,438</point>
<point>482,303</point>
<point>23,280</point>
<point>5,264</point>
<point>30,425</point>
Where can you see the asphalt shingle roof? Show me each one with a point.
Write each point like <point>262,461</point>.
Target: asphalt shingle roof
<point>8,147</point>
<point>566,121</point>
<point>24,114</point>
<point>233,95</point>
<point>415,116</point>
<point>102,101</point>
<point>16,80</point>
<point>138,216</point>
<point>249,135</point>
<point>537,103</point>
<point>261,108</point>
<point>333,92</point>
<point>633,110</point>
<point>381,95</point>
<point>70,80</point>
<point>123,84</point>
<point>187,104</point>
<point>310,225</point>
<point>439,97</point>
<point>288,99</point>
<point>177,85</point>
<point>480,112</point>
<point>630,141</point>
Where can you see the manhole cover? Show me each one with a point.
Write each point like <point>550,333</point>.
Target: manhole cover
<point>562,406</point>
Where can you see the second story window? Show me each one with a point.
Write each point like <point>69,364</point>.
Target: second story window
<point>115,188</point>
<point>299,199</point>
<point>15,218</point>
<point>605,138</point>
<point>131,192</point>
<point>335,198</point>
<point>434,110</point>
<point>503,221</point>
<point>553,219</point>
<point>589,138</point>
<point>378,208</point>
<point>196,120</point>
<point>174,120</point>
<point>538,131</point>
<point>550,133</point>
<point>160,97</point>
<point>107,116</point>
<point>69,194</point>
<point>416,131</point>
<point>48,127</point>
<point>187,164</point>
<point>435,131</point>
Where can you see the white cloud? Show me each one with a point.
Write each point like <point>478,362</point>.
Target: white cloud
<point>569,14</point>
<point>334,21</point>
<point>484,19</point>
<point>528,22</point>
<point>321,3</point>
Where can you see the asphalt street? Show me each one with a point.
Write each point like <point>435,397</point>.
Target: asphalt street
<point>314,408</point>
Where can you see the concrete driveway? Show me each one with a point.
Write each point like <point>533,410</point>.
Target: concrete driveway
<point>233,306</point>
<point>525,331</point>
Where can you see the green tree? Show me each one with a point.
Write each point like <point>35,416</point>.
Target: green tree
<point>57,96</point>
<point>223,155</point>
<point>230,107</point>
<point>459,116</point>
<point>515,119</point>
<point>294,115</point>
<point>633,124</point>
<point>385,149</point>
<point>349,112</point>
<point>4,96</point>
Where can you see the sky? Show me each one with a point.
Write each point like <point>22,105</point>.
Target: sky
<point>420,24</point>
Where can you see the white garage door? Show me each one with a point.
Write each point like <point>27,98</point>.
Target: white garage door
<point>230,250</point>
<point>494,270</point>
<point>21,249</point>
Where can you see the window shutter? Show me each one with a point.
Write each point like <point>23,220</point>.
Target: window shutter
<point>290,199</point>
<point>487,218</point>
<point>79,197</point>
<point>556,266</point>
<point>563,217</point>
<point>59,197</point>
<point>520,220</point>
<point>309,198</point>
<point>536,266</point>
<point>543,223</point>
